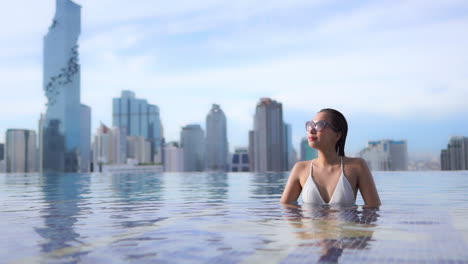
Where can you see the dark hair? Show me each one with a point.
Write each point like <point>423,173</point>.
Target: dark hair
<point>339,122</point>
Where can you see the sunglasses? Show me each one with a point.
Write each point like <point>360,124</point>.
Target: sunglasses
<point>319,126</point>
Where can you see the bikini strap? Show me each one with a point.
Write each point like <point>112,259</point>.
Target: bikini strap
<point>311,167</point>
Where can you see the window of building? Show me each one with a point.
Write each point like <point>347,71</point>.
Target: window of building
<point>245,158</point>
<point>235,159</point>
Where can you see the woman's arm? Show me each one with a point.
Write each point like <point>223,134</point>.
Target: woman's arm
<point>367,186</point>
<point>293,187</point>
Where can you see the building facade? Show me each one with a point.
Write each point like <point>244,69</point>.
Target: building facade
<point>85,138</point>
<point>455,157</point>
<point>269,146</point>
<point>103,146</point>
<point>138,150</point>
<point>138,118</point>
<point>216,140</point>
<point>192,141</point>
<point>2,151</point>
<point>290,158</point>
<point>386,155</point>
<point>21,151</point>
<point>174,157</point>
<point>240,160</point>
<point>62,146</point>
<point>251,150</point>
<point>109,146</point>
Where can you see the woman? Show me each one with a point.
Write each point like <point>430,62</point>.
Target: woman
<point>331,178</point>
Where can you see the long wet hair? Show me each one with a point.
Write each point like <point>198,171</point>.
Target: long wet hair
<point>339,122</point>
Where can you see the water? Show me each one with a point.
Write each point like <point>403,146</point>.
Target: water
<point>227,218</point>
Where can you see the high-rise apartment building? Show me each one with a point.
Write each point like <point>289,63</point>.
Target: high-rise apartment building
<point>102,146</point>
<point>307,153</point>
<point>40,142</point>
<point>174,157</point>
<point>386,155</point>
<point>2,151</point>
<point>21,151</point>
<point>109,146</point>
<point>138,118</point>
<point>138,149</point>
<point>85,138</point>
<point>455,157</point>
<point>269,153</point>
<point>63,149</point>
<point>192,140</point>
<point>251,150</point>
<point>2,158</point>
<point>216,140</point>
<point>290,158</point>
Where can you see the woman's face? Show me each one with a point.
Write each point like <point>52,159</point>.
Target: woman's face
<point>325,138</point>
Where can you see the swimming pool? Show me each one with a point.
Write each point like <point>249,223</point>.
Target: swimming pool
<point>227,218</point>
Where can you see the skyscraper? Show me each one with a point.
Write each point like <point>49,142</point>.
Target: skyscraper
<point>192,139</point>
<point>109,146</point>
<point>62,146</point>
<point>2,151</point>
<point>138,149</point>
<point>21,152</point>
<point>85,138</point>
<point>386,155</point>
<point>41,142</point>
<point>289,159</point>
<point>138,118</point>
<point>216,140</point>
<point>455,157</point>
<point>119,143</point>
<point>269,136</point>
<point>251,151</point>
<point>102,146</point>
<point>174,157</point>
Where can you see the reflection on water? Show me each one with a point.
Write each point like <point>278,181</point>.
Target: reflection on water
<point>63,196</point>
<point>137,199</point>
<point>267,184</point>
<point>137,186</point>
<point>222,218</point>
<point>217,184</point>
<point>332,228</point>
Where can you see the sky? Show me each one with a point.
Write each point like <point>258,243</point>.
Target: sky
<point>395,69</point>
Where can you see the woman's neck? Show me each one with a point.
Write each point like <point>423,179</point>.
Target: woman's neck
<point>327,158</point>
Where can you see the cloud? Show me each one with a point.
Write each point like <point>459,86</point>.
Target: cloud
<point>390,57</point>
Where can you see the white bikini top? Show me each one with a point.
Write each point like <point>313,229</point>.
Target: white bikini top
<point>343,194</point>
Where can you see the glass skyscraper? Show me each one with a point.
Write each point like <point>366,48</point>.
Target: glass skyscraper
<point>138,118</point>
<point>216,140</point>
<point>65,135</point>
<point>192,139</point>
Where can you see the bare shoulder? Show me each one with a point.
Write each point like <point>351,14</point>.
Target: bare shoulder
<point>302,164</point>
<point>300,170</point>
<point>355,163</point>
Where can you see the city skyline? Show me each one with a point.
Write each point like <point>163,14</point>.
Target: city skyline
<point>400,60</point>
